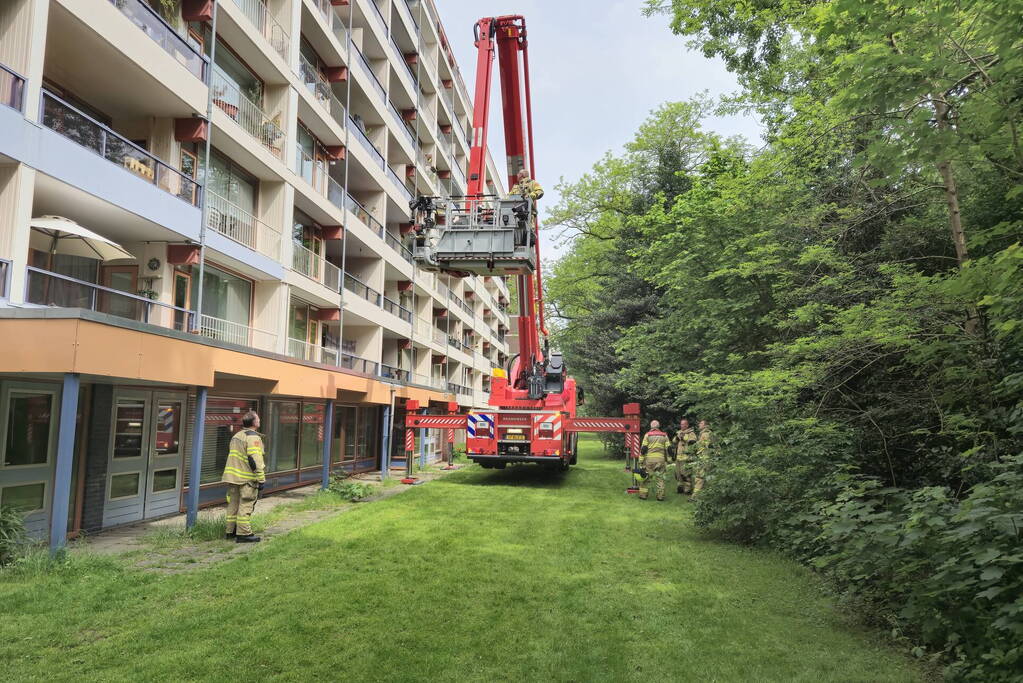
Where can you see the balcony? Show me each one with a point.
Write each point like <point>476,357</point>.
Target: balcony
<point>393,373</point>
<point>334,22</point>
<point>374,81</point>
<point>236,333</point>
<point>394,308</point>
<point>407,134</point>
<point>382,25</point>
<point>360,288</point>
<point>247,114</point>
<point>396,244</point>
<point>356,364</point>
<point>438,383</point>
<point>75,125</point>
<point>359,135</point>
<point>406,11</point>
<point>400,184</point>
<point>44,288</point>
<point>312,352</point>
<point>12,89</point>
<point>321,91</point>
<point>400,57</point>
<point>237,224</point>
<point>315,267</point>
<point>312,171</point>
<point>257,12</point>
<point>459,389</point>
<point>153,25</point>
<point>363,215</point>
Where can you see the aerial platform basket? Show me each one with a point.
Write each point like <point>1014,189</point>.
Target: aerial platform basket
<point>477,235</point>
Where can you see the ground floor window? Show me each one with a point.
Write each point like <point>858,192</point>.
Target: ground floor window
<point>356,437</point>
<point>295,435</point>
<point>26,498</point>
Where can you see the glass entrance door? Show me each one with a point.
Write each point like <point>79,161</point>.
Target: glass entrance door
<point>145,463</point>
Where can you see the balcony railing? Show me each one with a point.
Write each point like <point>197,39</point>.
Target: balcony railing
<point>12,88</point>
<point>367,145</point>
<point>357,286</point>
<point>369,72</point>
<point>400,184</point>
<point>336,24</point>
<point>322,91</point>
<point>400,120</point>
<point>63,118</point>
<point>315,267</point>
<point>247,114</point>
<point>154,26</point>
<point>376,11</point>
<point>312,171</point>
<point>353,205</point>
<point>429,381</point>
<point>406,11</point>
<point>400,56</point>
<point>312,352</point>
<point>260,16</point>
<point>397,245</point>
<point>356,364</point>
<point>393,373</point>
<point>237,333</point>
<point>394,308</point>
<point>459,389</point>
<point>237,224</point>
<point>51,289</point>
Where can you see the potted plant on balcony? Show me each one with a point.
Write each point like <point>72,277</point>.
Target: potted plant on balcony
<point>272,133</point>
<point>219,93</point>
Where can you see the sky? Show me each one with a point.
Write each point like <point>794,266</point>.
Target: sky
<point>597,70</point>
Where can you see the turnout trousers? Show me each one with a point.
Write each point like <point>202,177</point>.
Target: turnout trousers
<point>241,501</point>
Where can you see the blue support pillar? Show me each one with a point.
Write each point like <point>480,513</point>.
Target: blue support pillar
<point>195,469</point>
<point>65,462</point>
<point>328,440</point>
<point>422,447</point>
<point>385,456</point>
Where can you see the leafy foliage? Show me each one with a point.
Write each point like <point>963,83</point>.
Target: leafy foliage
<point>844,304</point>
<point>348,489</point>
<point>13,538</point>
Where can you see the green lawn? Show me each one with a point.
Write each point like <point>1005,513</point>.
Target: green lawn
<point>484,575</point>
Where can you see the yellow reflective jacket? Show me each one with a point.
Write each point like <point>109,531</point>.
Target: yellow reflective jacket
<point>529,188</point>
<point>656,443</point>
<point>683,441</point>
<point>706,445</point>
<point>239,469</point>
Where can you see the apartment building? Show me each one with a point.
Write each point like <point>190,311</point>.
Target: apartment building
<point>204,210</point>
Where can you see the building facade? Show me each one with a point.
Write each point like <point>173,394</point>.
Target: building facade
<point>204,209</point>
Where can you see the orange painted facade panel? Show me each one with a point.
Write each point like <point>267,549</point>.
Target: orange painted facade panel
<point>66,345</point>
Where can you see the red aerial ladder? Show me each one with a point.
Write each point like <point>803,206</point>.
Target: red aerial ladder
<point>532,413</point>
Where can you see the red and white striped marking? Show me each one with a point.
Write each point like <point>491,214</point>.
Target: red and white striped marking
<point>410,440</point>
<point>451,436</point>
<point>554,419</point>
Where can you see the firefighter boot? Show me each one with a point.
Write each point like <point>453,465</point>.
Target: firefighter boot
<point>248,539</point>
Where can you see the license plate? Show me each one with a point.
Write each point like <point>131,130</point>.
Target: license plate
<point>515,437</point>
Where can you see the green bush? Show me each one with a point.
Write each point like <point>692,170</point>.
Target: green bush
<point>13,538</point>
<point>343,486</point>
<point>949,573</point>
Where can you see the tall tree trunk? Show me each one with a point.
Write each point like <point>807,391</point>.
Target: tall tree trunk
<point>955,218</point>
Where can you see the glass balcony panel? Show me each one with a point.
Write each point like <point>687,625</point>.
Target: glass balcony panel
<point>153,25</point>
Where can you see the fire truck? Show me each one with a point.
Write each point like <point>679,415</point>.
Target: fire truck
<point>532,407</point>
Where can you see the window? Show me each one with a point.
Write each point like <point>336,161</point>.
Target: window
<point>26,498</point>
<point>223,420</point>
<point>29,431</point>
<point>226,297</point>
<point>240,79</point>
<point>124,485</point>
<point>284,436</point>
<point>229,181</point>
<point>168,429</point>
<point>165,480</point>
<point>129,420</point>
<point>312,434</point>
<point>4,274</point>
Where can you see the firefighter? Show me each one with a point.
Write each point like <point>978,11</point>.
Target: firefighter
<point>529,189</point>
<point>684,439</point>
<point>705,447</point>
<point>655,452</point>
<point>245,475</point>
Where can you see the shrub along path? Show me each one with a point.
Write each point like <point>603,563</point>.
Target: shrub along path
<point>481,575</point>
